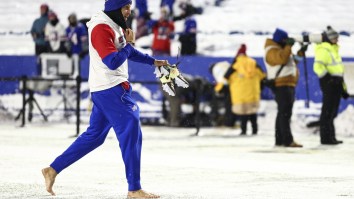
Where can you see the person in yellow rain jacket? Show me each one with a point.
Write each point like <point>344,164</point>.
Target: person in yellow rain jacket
<point>329,69</point>
<point>244,78</point>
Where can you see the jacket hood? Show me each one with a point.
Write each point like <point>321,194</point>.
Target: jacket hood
<point>326,45</point>
<point>100,18</point>
<point>270,42</point>
<point>245,66</point>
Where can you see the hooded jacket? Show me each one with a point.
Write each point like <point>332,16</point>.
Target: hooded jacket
<point>275,57</point>
<point>109,52</point>
<point>245,81</point>
<point>328,60</point>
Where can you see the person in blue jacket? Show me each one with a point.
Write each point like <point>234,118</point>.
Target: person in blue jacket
<point>37,30</point>
<point>111,44</point>
<point>188,37</point>
<point>77,38</point>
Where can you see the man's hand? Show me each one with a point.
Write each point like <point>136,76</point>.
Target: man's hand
<point>345,94</point>
<point>129,36</point>
<point>161,63</point>
<point>290,41</point>
<point>302,50</point>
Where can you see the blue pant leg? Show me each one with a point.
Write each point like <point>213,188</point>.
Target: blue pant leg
<point>94,136</point>
<point>123,114</point>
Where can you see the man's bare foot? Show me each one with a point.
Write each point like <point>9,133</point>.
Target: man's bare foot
<point>141,194</point>
<point>49,175</point>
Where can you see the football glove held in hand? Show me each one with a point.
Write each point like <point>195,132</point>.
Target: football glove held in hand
<point>170,76</point>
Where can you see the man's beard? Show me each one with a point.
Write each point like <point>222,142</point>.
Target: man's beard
<point>117,17</point>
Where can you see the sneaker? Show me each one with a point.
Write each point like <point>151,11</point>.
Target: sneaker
<point>169,88</point>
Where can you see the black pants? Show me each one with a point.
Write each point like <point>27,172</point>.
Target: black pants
<point>245,119</point>
<point>284,96</point>
<point>332,90</point>
<point>39,49</point>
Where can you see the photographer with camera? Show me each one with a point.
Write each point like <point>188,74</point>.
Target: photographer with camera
<point>282,70</point>
<point>329,69</point>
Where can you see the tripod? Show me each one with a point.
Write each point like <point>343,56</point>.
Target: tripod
<point>65,101</point>
<point>30,102</point>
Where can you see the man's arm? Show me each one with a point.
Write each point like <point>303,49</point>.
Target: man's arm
<point>137,56</point>
<point>276,56</point>
<point>322,58</point>
<point>102,39</point>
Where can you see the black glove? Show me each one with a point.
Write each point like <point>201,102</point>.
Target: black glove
<point>303,48</point>
<point>325,80</point>
<point>345,94</point>
<point>290,41</point>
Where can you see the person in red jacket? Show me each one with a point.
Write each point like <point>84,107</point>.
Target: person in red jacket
<point>163,31</point>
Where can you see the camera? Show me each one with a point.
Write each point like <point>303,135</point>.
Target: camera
<point>309,38</point>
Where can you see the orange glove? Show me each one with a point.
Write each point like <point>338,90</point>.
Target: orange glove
<point>218,87</point>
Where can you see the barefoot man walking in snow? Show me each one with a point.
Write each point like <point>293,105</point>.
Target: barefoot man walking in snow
<point>111,44</point>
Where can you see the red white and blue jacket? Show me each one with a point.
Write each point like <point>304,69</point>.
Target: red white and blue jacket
<point>109,53</point>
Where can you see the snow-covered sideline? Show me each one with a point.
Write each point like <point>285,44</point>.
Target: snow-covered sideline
<point>217,164</point>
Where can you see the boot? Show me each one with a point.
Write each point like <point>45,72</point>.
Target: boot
<point>294,145</point>
<point>331,142</point>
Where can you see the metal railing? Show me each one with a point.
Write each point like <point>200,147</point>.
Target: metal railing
<point>25,79</point>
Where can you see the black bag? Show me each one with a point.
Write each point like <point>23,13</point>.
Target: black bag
<point>270,83</point>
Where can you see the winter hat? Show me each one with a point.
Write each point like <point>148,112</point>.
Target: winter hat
<point>242,50</point>
<point>110,5</point>
<point>279,35</point>
<point>44,6</point>
<point>331,34</point>
<point>52,15</point>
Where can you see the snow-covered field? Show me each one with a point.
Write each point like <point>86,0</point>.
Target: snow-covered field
<point>217,164</point>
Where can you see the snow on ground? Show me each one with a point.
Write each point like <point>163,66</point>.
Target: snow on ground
<point>217,164</point>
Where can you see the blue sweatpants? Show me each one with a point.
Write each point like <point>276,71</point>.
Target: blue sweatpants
<point>115,108</point>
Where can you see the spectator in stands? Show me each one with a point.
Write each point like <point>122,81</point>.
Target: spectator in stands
<point>188,37</point>
<point>163,30</point>
<point>244,77</point>
<point>37,30</point>
<point>282,67</point>
<point>142,17</point>
<point>77,38</point>
<point>329,68</point>
<point>169,4</point>
<point>185,9</point>
<point>55,34</point>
